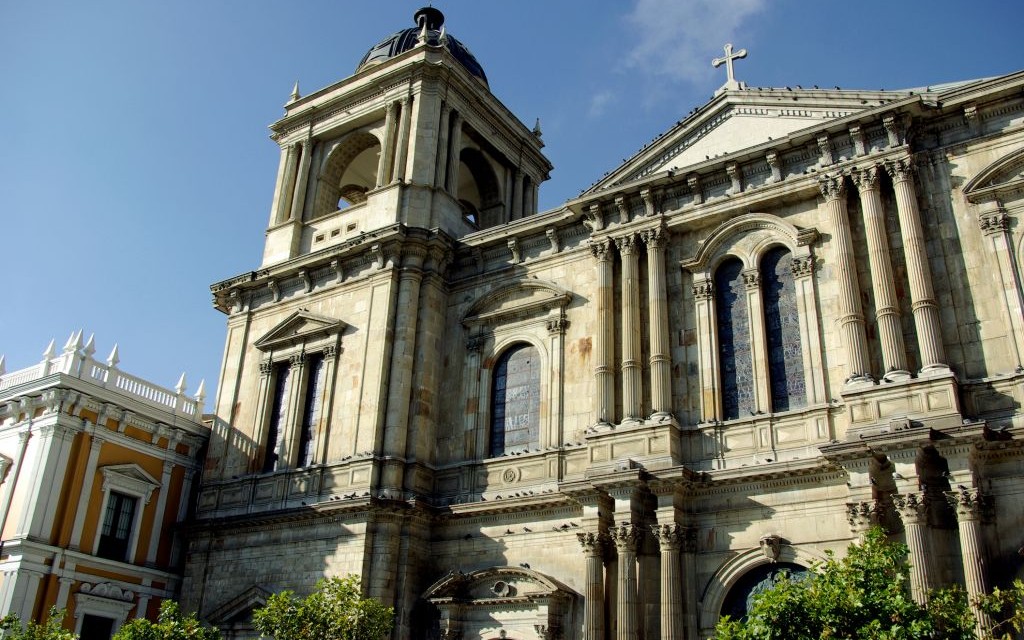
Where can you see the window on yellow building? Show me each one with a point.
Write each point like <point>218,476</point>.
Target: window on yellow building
<point>116,534</point>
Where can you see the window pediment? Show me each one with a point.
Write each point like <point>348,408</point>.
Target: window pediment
<point>759,230</point>
<point>130,478</point>
<point>239,608</point>
<point>1002,177</point>
<point>301,327</point>
<point>518,301</point>
<point>494,584</point>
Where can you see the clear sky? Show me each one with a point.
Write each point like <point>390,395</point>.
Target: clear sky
<point>136,167</point>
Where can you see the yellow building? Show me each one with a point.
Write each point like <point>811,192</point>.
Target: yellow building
<point>96,466</point>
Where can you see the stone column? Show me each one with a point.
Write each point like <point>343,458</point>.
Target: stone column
<point>626,537</point>
<point>475,435</point>
<point>887,316</point>
<point>707,341</point>
<point>922,297</point>
<point>969,505</point>
<point>851,318</point>
<point>264,402</point>
<point>299,197</point>
<point>517,195</point>
<point>454,154</point>
<point>403,349</point>
<point>660,359</point>
<point>632,383</point>
<point>670,539</point>
<point>282,206</point>
<point>402,150</point>
<point>758,341</point>
<point>593,594</point>
<point>912,509</point>
<point>387,152</point>
<point>995,226</point>
<point>440,171</point>
<point>288,428</point>
<point>604,333</point>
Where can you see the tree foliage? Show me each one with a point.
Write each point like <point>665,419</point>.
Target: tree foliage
<point>336,610</point>
<point>862,596</point>
<point>170,625</point>
<point>12,629</point>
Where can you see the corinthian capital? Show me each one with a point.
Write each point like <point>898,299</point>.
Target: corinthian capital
<point>592,543</point>
<point>900,170</point>
<point>832,187</point>
<point>601,249</point>
<point>625,536</point>
<point>969,504</point>
<point>670,536</point>
<point>911,508</point>
<point>866,179</point>
<point>626,244</point>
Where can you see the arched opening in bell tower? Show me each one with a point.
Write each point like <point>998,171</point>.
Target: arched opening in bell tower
<point>349,173</point>
<point>478,191</point>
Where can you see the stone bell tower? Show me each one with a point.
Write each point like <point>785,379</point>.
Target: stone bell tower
<point>331,384</point>
<point>414,137</point>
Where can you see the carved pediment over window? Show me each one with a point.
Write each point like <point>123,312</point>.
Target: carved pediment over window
<point>518,301</point>
<point>238,610</point>
<point>498,602</point>
<point>131,478</point>
<point>1002,178</point>
<point>301,327</point>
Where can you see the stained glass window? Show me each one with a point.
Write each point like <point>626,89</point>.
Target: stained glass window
<point>782,331</point>
<point>311,409</point>
<point>735,360</point>
<point>515,407</point>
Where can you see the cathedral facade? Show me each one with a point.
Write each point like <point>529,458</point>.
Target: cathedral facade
<point>794,314</point>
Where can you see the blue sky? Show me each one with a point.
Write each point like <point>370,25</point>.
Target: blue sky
<point>136,167</point>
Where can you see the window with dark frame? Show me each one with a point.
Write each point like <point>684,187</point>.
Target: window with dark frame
<point>115,536</point>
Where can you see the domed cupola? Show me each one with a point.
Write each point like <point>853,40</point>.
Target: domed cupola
<point>429,23</point>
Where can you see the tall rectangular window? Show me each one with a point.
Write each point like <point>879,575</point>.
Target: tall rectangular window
<point>278,412</point>
<point>310,410</point>
<point>115,536</point>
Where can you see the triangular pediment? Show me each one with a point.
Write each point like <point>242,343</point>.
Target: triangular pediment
<point>496,583</point>
<point>239,608</point>
<point>299,328</point>
<point>526,298</point>
<point>738,120</point>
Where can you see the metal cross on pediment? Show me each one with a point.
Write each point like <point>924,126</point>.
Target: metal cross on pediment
<point>727,59</point>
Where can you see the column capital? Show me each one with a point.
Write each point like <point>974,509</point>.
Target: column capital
<point>802,266</point>
<point>297,360</point>
<point>330,351</point>
<point>670,536</point>
<point>994,222</point>
<point>557,326</point>
<point>593,543</point>
<point>625,536</point>
<point>862,515</point>
<point>969,504</point>
<point>266,367</point>
<point>866,178</point>
<point>601,250</point>
<point>751,278</point>
<point>703,290</point>
<point>900,169</point>
<point>475,344</point>
<point>655,239</point>
<point>627,244</point>
<point>912,508</point>
<point>832,187</point>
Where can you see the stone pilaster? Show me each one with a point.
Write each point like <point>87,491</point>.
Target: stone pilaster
<point>851,317</point>
<point>660,358</point>
<point>402,150</point>
<point>670,539</point>
<point>604,333</point>
<point>913,510</point>
<point>454,153</point>
<point>969,505</point>
<point>632,383</point>
<point>883,288</point>
<point>386,161</point>
<point>593,594</point>
<point>995,226</point>
<point>626,537</point>
<point>440,171</point>
<point>86,492</point>
<point>922,296</point>
<point>707,343</point>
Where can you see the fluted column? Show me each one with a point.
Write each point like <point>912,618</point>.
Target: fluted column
<point>626,537</point>
<point>454,154</point>
<point>387,154</point>
<point>632,383</point>
<point>593,593</point>
<point>883,288</point>
<point>670,539</point>
<point>707,349</point>
<point>440,171</point>
<point>660,359</point>
<point>922,297</point>
<point>604,333</point>
<point>912,509</point>
<point>851,318</point>
<point>969,504</point>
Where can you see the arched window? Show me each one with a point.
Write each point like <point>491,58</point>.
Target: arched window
<point>782,331</point>
<point>349,172</point>
<point>478,189</point>
<point>735,359</point>
<point>515,401</point>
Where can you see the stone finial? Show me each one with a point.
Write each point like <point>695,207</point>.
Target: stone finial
<point>295,93</point>
<point>74,342</point>
<point>536,129</point>
<point>114,357</point>
<point>181,386</point>
<point>3,364</point>
<point>90,346</point>
<point>51,350</point>
<point>201,391</point>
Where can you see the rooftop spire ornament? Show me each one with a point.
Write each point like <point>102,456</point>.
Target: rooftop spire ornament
<point>730,82</point>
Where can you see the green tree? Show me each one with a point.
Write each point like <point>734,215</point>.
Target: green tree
<point>170,625</point>
<point>862,596</point>
<point>12,629</point>
<point>336,610</point>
